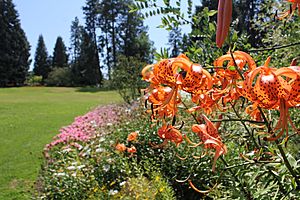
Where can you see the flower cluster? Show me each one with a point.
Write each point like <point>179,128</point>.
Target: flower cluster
<point>234,76</point>
<point>132,137</point>
<point>86,126</point>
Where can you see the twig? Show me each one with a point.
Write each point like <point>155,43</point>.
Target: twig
<point>245,126</point>
<point>194,116</point>
<point>238,120</point>
<point>274,47</point>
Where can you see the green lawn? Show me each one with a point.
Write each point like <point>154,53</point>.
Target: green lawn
<point>29,118</point>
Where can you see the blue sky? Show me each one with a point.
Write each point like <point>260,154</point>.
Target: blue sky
<point>52,18</point>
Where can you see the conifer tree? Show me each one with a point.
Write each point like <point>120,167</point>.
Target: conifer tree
<point>14,47</point>
<point>41,62</point>
<point>76,37</point>
<point>87,70</point>
<point>91,11</point>
<point>174,41</point>
<point>60,57</point>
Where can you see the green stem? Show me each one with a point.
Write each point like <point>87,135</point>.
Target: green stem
<point>288,165</point>
<point>245,126</point>
<point>249,163</point>
<point>285,160</point>
<point>242,184</point>
<point>236,66</point>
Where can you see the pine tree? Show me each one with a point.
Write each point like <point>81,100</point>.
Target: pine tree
<point>14,47</point>
<point>174,41</point>
<point>109,17</point>
<point>41,60</point>
<point>76,37</point>
<point>87,70</point>
<point>60,57</point>
<point>133,36</point>
<point>91,11</point>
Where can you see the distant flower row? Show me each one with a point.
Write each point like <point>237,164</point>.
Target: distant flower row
<point>86,126</point>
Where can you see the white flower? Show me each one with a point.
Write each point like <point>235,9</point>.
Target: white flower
<point>74,174</point>
<point>99,150</point>
<point>106,168</point>
<point>59,174</point>
<point>113,192</point>
<point>80,166</point>
<point>71,168</point>
<point>122,183</point>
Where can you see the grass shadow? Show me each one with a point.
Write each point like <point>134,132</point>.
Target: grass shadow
<point>91,89</point>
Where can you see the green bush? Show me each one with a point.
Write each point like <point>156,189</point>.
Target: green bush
<point>126,77</point>
<point>59,77</point>
<point>34,80</point>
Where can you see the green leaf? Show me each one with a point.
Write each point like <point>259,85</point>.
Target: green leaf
<point>231,68</point>
<point>211,27</point>
<point>212,13</point>
<point>234,36</point>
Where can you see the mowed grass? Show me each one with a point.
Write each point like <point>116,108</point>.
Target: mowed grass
<point>29,118</point>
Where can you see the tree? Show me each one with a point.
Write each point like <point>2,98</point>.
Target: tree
<point>76,37</point>
<point>60,57</point>
<point>108,14</point>
<point>175,40</point>
<point>132,34</point>
<point>91,11</point>
<point>14,47</point>
<point>87,70</point>
<point>41,62</point>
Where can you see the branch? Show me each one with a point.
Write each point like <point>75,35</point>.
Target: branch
<point>238,120</point>
<point>274,47</point>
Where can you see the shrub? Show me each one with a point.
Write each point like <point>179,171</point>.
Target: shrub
<point>59,77</point>
<point>34,80</point>
<point>126,77</point>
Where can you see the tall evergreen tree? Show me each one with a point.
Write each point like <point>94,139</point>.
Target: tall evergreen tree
<point>41,62</point>
<point>87,70</point>
<point>109,11</point>
<point>91,11</point>
<point>60,57</point>
<point>133,37</point>
<point>76,37</point>
<point>14,47</point>
<point>174,41</point>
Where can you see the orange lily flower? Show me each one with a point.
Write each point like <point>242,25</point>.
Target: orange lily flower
<point>272,91</point>
<point>164,102</point>
<point>132,136</point>
<point>211,139</point>
<point>240,58</point>
<point>290,12</point>
<point>131,150</point>
<point>169,133</point>
<point>224,19</point>
<point>121,147</point>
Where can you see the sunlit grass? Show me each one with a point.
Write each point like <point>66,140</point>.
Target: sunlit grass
<point>29,118</point>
